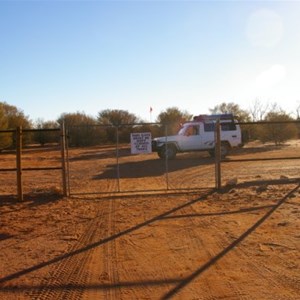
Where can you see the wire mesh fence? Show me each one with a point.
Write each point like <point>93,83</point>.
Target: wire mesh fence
<point>115,168</point>
<point>271,152</point>
<point>113,159</point>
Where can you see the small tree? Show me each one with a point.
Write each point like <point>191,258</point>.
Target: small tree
<point>277,132</point>
<point>5,138</point>
<point>81,129</point>
<point>173,117</point>
<point>231,108</point>
<point>298,112</point>
<point>121,119</point>
<point>12,117</point>
<point>44,137</point>
<point>258,110</point>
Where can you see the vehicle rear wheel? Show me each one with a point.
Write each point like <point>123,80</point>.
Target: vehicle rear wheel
<point>224,149</point>
<point>212,153</point>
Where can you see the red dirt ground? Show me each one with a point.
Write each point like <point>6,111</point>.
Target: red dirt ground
<point>196,243</point>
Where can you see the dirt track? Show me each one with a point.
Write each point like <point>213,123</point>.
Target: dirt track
<point>240,244</point>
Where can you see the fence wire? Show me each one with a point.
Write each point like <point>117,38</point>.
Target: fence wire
<point>103,162</point>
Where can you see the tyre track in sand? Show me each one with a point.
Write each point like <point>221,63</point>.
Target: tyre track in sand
<point>193,178</point>
<point>210,246</point>
<point>70,273</point>
<point>220,247</point>
<point>110,255</point>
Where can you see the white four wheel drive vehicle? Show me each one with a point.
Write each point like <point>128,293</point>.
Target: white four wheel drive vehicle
<point>199,135</point>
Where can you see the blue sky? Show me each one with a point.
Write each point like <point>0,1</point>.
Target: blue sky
<point>67,56</point>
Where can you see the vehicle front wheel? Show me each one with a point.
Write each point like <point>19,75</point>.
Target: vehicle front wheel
<point>167,151</point>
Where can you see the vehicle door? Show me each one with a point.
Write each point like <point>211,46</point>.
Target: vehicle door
<point>208,135</point>
<point>191,139</point>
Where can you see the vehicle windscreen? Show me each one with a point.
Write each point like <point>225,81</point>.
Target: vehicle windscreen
<point>182,130</point>
<point>189,129</point>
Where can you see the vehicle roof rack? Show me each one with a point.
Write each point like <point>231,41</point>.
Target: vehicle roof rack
<point>213,117</point>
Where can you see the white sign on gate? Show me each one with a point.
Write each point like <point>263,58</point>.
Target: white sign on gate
<point>141,142</point>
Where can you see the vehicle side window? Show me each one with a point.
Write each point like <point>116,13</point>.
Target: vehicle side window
<point>192,130</point>
<point>196,130</point>
<point>228,126</point>
<point>209,126</point>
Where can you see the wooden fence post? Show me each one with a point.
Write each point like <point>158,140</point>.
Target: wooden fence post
<point>167,156</point>
<point>19,163</point>
<point>117,157</point>
<point>63,159</point>
<point>218,155</point>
